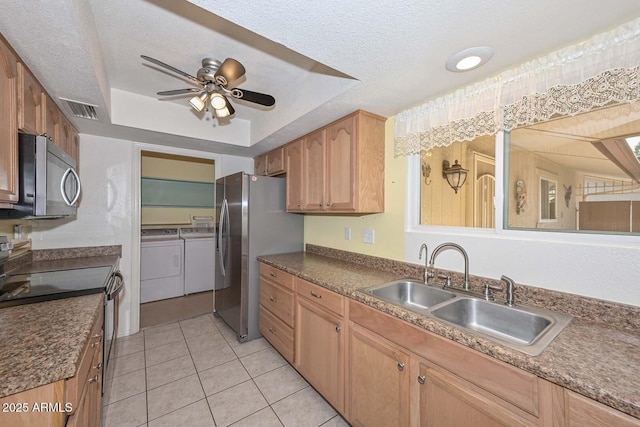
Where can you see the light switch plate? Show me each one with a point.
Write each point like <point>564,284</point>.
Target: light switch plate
<point>347,233</point>
<point>367,235</point>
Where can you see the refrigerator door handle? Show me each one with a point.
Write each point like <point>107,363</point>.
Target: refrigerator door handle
<point>224,211</point>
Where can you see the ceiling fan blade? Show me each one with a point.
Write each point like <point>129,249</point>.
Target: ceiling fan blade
<point>229,71</point>
<point>255,97</point>
<point>179,91</point>
<point>169,67</point>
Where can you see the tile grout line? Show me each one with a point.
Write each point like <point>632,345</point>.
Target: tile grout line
<point>200,381</point>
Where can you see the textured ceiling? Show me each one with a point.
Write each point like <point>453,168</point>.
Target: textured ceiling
<point>320,60</point>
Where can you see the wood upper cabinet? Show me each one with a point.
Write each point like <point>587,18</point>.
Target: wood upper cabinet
<point>378,372</point>
<point>30,102</point>
<point>276,162</point>
<point>74,147</point>
<point>271,163</point>
<point>293,164</point>
<point>320,341</point>
<point>52,121</point>
<point>313,172</point>
<point>260,165</point>
<point>343,166</point>
<point>8,124</point>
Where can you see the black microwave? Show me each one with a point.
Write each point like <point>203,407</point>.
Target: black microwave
<point>48,184</point>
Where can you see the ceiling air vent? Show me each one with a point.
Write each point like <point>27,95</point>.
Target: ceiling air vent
<point>84,111</point>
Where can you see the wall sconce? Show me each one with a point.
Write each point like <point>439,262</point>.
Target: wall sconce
<point>455,175</point>
<point>426,172</point>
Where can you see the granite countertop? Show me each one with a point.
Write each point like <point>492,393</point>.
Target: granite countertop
<point>590,358</point>
<point>42,343</point>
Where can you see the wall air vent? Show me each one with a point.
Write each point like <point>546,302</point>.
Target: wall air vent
<point>84,111</point>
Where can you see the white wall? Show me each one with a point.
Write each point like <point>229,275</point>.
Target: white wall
<point>105,211</point>
<point>108,213</point>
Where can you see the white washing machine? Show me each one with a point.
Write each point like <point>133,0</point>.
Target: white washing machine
<point>161,264</point>
<point>199,258</point>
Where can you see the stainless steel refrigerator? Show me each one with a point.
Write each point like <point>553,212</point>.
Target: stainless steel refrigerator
<point>252,221</point>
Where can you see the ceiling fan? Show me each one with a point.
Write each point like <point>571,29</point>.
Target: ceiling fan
<point>212,80</point>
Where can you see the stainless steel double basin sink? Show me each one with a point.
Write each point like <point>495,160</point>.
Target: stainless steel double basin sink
<point>526,329</point>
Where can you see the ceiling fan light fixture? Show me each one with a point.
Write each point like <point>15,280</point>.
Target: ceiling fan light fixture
<point>221,105</point>
<point>199,101</point>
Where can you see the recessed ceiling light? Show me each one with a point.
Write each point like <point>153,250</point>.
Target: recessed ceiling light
<point>469,59</point>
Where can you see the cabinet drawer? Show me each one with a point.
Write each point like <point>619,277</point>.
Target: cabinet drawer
<point>277,300</point>
<point>277,333</point>
<point>275,275</point>
<point>75,385</point>
<point>321,296</point>
<point>582,411</point>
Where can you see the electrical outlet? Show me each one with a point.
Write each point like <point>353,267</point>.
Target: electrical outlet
<point>367,235</point>
<point>347,233</point>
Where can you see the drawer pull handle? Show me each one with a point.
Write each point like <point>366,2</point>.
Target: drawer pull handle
<point>93,379</point>
<point>273,275</point>
<point>98,335</point>
<point>93,344</point>
<point>272,299</point>
<point>400,366</point>
<point>313,294</point>
<point>98,366</point>
<point>273,331</point>
<point>338,328</point>
<point>421,379</point>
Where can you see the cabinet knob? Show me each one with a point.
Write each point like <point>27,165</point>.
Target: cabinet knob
<point>273,331</point>
<point>313,294</point>
<point>272,299</point>
<point>93,379</point>
<point>274,274</point>
<point>320,204</point>
<point>98,366</point>
<point>328,204</point>
<point>400,366</point>
<point>338,328</point>
<point>421,379</point>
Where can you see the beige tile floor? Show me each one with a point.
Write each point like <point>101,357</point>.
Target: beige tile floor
<point>195,373</point>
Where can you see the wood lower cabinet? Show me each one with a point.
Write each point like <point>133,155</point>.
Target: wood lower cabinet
<point>378,372</point>
<point>73,402</point>
<point>84,390</point>
<point>277,310</point>
<point>583,412</point>
<point>8,124</point>
<point>448,400</point>
<point>320,339</point>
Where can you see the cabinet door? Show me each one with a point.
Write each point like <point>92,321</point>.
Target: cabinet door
<point>447,400</point>
<point>65,134</point>
<point>378,372</point>
<point>313,166</point>
<point>341,165</point>
<point>8,125</point>
<point>293,161</point>
<point>52,126</point>
<point>30,108</point>
<point>319,354</point>
<point>260,165</point>
<point>275,162</point>
<point>583,412</point>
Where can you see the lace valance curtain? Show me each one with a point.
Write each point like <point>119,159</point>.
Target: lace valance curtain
<point>569,81</point>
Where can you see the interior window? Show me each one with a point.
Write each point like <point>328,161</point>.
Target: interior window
<point>470,205</point>
<point>577,173</point>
